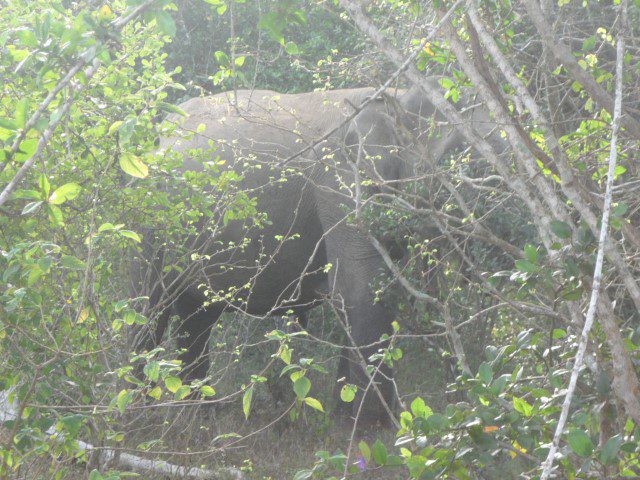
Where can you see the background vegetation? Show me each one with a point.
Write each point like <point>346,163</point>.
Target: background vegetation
<point>507,243</point>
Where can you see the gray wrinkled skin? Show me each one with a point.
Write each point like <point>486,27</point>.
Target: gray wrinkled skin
<point>306,198</point>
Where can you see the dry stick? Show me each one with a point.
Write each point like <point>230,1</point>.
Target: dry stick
<point>8,412</point>
<point>547,466</point>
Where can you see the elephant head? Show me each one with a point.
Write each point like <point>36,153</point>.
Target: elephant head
<point>432,129</point>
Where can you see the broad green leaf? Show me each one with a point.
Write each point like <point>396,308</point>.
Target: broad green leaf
<point>313,403</point>
<point>172,383</point>
<point>420,409</point>
<point>165,23</point>
<point>43,183</point>
<point>169,108</point>
<point>365,450</point>
<point>27,149</point>
<point>72,263</point>
<point>526,266</point>
<point>182,392</point>
<point>132,165</point>
<point>561,229</point>
<point>303,475</point>
<point>22,110</point>
<point>114,127</point>
<point>609,453</point>
<point>130,234</point>
<point>348,392</point>
<point>123,399</point>
<point>302,386</point>
<point>291,48</point>
<point>55,215</point>
<point>522,406</point>
<point>31,207</point>
<point>207,391</point>
<point>152,370</point>
<point>131,317</point>
<point>155,392</point>
<point>246,401</point>
<point>380,453</point>
<point>485,373</point>
<point>8,124</point>
<point>580,443</point>
<point>531,253</point>
<point>95,475</point>
<point>66,192</point>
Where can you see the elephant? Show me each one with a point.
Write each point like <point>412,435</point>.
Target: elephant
<point>307,161</point>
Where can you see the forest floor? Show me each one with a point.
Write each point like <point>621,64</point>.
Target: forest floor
<point>270,445</point>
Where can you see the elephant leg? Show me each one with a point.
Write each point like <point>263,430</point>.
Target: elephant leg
<point>193,332</point>
<point>375,396</point>
<point>355,265</point>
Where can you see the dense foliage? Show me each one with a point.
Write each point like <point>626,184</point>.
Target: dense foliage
<point>506,246</point>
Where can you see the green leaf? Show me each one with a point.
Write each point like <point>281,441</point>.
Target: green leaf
<point>55,215</point>
<point>222,58</point>
<point>246,401</point>
<point>114,127</point>
<point>348,392</point>
<point>22,110</point>
<point>123,399</point>
<point>72,263</point>
<point>526,266</point>
<point>66,192</point>
<point>8,124</point>
<point>172,383</point>
<point>207,391</point>
<point>302,386</point>
<point>31,207</point>
<point>580,443</point>
<point>182,392</point>
<point>131,317</point>
<point>130,234</point>
<point>485,373</point>
<point>609,453</point>
<point>559,333</point>
<point>420,409</point>
<point>380,453</point>
<point>26,150</point>
<point>291,48</point>
<point>531,253</point>
<point>365,450</point>
<point>313,403</point>
<point>169,108</point>
<point>561,229</point>
<point>43,183</point>
<point>155,392</point>
<point>303,475</point>
<point>152,370</point>
<point>95,475</point>
<point>522,406</point>
<point>165,23</point>
<point>132,165</point>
